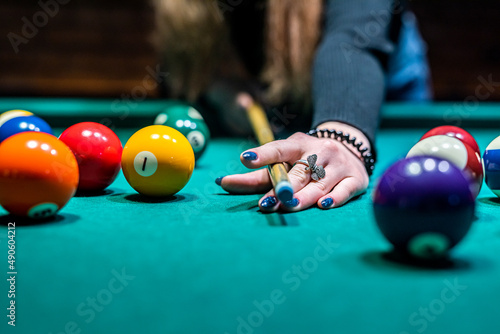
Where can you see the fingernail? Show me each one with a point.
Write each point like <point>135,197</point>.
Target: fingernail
<point>249,156</point>
<point>292,203</point>
<point>268,202</point>
<point>218,180</point>
<point>327,202</point>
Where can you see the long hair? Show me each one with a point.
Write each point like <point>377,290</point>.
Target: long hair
<point>292,33</point>
<point>190,36</point>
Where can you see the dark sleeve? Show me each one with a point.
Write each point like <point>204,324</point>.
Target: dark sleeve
<point>349,67</point>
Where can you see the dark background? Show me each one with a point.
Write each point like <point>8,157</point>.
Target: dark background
<point>101,48</point>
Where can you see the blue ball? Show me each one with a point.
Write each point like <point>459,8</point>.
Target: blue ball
<point>491,165</point>
<point>23,124</point>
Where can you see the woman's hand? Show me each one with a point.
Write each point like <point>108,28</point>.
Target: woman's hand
<point>345,178</point>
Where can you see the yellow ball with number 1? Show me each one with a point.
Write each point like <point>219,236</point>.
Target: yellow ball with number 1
<point>157,161</point>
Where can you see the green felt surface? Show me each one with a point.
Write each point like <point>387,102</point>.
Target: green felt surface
<point>126,111</point>
<point>208,262</point>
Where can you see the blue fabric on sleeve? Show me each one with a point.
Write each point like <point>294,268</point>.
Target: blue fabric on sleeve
<point>409,77</point>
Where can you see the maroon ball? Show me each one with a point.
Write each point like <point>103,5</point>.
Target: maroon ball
<point>456,132</point>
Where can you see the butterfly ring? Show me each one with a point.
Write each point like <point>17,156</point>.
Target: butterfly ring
<point>317,171</point>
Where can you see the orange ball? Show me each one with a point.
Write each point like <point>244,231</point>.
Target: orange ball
<point>38,174</point>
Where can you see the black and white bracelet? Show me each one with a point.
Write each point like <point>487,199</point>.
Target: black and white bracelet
<point>368,157</point>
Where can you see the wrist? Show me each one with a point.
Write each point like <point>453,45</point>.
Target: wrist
<point>352,138</point>
<point>348,129</point>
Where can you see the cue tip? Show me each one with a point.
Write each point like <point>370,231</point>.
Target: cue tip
<point>284,191</point>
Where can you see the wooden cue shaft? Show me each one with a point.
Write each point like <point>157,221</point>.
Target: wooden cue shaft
<point>264,134</point>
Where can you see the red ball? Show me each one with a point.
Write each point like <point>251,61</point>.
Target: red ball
<point>454,131</point>
<point>98,151</point>
<point>455,151</point>
<point>474,169</point>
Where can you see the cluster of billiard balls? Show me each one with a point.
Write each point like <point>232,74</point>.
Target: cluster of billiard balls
<point>40,173</point>
<point>424,204</point>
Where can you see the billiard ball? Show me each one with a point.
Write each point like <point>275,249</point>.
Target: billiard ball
<point>5,116</point>
<point>187,120</point>
<point>455,151</point>
<point>491,165</point>
<point>456,132</point>
<point>423,206</point>
<point>98,151</point>
<point>157,161</point>
<point>22,124</point>
<point>38,174</point>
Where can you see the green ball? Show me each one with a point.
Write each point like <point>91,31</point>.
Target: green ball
<point>188,121</point>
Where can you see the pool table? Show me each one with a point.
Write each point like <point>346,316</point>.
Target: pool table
<point>205,261</point>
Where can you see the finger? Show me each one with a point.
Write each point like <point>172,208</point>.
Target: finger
<point>341,193</point>
<point>307,191</point>
<point>249,183</point>
<point>298,178</point>
<point>269,203</point>
<point>309,194</point>
<point>287,150</point>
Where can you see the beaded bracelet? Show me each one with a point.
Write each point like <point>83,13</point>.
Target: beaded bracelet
<point>368,158</point>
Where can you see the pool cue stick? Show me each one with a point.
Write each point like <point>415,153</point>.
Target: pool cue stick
<point>262,130</point>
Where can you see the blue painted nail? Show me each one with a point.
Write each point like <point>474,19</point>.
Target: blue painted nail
<point>249,156</point>
<point>218,180</point>
<point>268,202</point>
<point>327,202</point>
<point>292,203</point>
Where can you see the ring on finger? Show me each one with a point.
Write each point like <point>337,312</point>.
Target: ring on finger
<point>317,171</point>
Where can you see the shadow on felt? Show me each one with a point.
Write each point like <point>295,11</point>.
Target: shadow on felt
<point>59,219</point>
<point>396,260</point>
